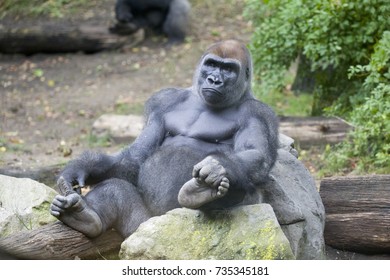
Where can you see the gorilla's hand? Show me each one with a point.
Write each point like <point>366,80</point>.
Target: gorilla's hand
<point>209,171</point>
<point>73,176</point>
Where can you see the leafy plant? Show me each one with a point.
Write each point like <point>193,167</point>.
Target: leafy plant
<point>330,35</point>
<point>326,38</point>
<point>368,146</point>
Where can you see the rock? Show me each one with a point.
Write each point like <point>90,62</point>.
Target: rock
<point>245,233</point>
<point>294,197</point>
<point>24,205</point>
<point>122,129</point>
<point>43,174</point>
<point>287,143</point>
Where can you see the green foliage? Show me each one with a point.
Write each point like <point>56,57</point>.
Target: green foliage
<point>285,103</point>
<point>52,8</point>
<point>332,36</point>
<point>368,145</point>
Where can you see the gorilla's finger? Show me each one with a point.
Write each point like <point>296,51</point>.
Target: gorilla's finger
<point>196,169</point>
<point>56,209</point>
<point>64,186</point>
<point>81,180</point>
<point>55,213</point>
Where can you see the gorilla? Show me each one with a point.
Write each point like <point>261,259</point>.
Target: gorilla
<point>167,16</point>
<point>205,147</point>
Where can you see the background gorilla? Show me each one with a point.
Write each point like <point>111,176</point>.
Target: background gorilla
<point>203,147</point>
<point>168,16</point>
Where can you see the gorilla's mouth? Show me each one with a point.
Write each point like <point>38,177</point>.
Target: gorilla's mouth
<point>211,95</point>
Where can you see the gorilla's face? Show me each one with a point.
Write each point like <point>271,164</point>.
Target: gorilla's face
<point>220,83</point>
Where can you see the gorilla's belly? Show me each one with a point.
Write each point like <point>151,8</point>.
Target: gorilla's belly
<point>164,173</point>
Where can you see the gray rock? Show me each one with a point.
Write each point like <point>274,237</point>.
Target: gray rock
<point>245,232</point>
<point>293,195</point>
<point>287,143</point>
<point>24,205</point>
<point>121,128</point>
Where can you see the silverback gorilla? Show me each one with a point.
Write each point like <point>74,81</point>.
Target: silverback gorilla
<point>204,147</point>
<point>167,16</point>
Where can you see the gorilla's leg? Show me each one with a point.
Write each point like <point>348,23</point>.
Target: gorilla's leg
<point>196,192</point>
<point>113,203</point>
<point>175,25</point>
<point>125,24</point>
<point>123,11</point>
<point>155,19</point>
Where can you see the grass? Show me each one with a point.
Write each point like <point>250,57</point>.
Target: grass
<point>286,103</point>
<point>125,108</point>
<point>51,8</point>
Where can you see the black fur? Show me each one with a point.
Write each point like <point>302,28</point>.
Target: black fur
<point>167,16</point>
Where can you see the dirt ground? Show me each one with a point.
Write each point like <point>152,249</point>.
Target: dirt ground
<point>49,102</point>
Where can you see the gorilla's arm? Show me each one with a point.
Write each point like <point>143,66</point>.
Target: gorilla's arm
<point>255,151</point>
<point>91,168</point>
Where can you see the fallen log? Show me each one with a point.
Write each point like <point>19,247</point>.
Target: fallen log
<point>45,174</point>
<point>308,131</point>
<point>357,213</point>
<point>59,242</point>
<point>61,38</point>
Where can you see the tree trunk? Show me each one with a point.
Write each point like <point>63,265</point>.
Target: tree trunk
<point>56,38</point>
<point>304,81</point>
<point>357,213</point>
<point>314,130</point>
<point>59,242</point>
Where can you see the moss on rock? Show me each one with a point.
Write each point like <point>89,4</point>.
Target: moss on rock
<point>246,232</point>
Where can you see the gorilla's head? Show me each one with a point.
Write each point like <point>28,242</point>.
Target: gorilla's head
<point>224,74</point>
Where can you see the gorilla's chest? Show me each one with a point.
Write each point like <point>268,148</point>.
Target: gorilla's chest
<point>202,125</point>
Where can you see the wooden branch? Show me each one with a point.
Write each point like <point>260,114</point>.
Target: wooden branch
<point>59,242</point>
<point>307,131</point>
<point>59,38</point>
<point>357,213</point>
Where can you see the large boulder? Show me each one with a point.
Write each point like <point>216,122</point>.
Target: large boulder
<point>293,195</point>
<point>245,232</point>
<point>24,205</point>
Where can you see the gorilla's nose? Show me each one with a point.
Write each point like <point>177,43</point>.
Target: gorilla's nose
<point>214,80</point>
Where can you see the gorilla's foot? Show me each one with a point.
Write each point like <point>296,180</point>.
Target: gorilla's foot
<point>73,211</point>
<point>196,192</point>
<point>123,28</point>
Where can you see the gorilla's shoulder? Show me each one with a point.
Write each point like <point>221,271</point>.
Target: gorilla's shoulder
<point>260,110</point>
<point>164,99</point>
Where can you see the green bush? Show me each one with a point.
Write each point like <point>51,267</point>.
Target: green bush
<point>342,49</point>
<point>367,148</point>
<point>330,35</point>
